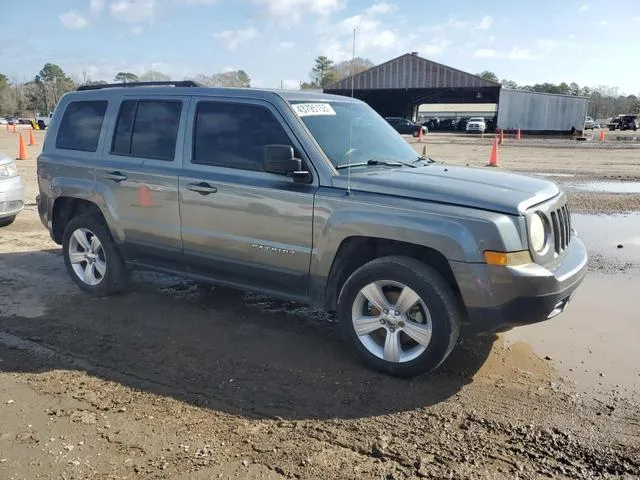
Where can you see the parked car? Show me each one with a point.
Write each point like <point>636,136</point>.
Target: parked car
<point>324,203</point>
<point>406,127</point>
<point>476,125</point>
<point>11,191</point>
<point>12,120</point>
<point>589,123</point>
<point>43,120</point>
<point>625,122</point>
<point>3,121</point>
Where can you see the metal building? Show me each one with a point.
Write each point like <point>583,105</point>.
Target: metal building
<point>398,87</point>
<point>540,112</point>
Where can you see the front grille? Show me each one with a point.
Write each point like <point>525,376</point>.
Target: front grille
<point>561,226</point>
<point>10,206</point>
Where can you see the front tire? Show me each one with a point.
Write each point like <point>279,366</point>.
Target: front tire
<point>91,256</point>
<point>400,315</point>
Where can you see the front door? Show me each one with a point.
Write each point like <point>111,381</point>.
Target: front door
<point>139,169</point>
<point>241,224</point>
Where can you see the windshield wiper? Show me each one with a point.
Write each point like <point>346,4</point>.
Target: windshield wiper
<point>372,161</point>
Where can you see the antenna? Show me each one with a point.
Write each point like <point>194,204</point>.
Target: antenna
<point>353,58</point>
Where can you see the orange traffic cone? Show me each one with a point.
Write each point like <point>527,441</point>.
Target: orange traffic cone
<point>22,149</point>
<point>420,135</point>
<point>144,196</point>
<point>424,151</point>
<point>518,134</point>
<point>32,139</point>
<point>14,128</point>
<point>8,127</point>
<point>493,158</point>
<point>602,135</point>
<point>501,138</point>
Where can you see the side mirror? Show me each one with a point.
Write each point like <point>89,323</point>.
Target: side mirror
<point>280,159</point>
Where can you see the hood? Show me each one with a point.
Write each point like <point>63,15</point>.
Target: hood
<point>472,187</point>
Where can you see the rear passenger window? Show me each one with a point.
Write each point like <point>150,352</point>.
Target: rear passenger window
<point>234,135</point>
<point>81,125</point>
<point>147,128</point>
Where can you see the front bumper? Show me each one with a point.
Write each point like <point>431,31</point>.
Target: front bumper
<point>530,293</point>
<point>11,197</point>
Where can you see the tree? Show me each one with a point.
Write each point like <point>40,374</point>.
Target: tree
<point>125,77</point>
<point>4,81</point>
<point>509,84</point>
<point>243,78</point>
<point>487,75</point>
<point>322,73</point>
<point>351,67</point>
<point>235,78</point>
<point>51,84</point>
<point>154,76</point>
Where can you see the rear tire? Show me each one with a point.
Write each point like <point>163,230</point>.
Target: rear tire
<point>92,257</point>
<point>5,222</point>
<point>422,324</point>
<point>41,124</point>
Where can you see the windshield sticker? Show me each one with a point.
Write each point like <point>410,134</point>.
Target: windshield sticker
<point>309,109</point>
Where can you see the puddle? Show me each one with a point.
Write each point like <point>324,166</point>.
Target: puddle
<point>589,343</point>
<point>608,187</point>
<point>603,233</point>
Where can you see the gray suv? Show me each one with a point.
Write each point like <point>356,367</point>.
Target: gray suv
<point>308,197</point>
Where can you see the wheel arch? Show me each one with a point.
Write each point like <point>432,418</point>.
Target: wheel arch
<point>65,208</point>
<point>355,251</point>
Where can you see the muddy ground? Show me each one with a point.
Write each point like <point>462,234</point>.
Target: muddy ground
<point>176,380</point>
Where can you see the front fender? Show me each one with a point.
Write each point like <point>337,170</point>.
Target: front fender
<point>459,233</point>
<point>449,237</point>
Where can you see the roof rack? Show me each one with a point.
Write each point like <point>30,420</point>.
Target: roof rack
<point>180,83</point>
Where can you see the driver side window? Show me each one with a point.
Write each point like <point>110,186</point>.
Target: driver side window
<point>233,135</point>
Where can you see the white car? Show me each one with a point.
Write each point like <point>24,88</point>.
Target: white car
<point>11,191</point>
<point>476,124</point>
<point>3,121</point>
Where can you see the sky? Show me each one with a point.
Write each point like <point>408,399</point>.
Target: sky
<point>276,41</point>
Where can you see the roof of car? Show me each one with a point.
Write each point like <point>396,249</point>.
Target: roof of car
<point>256,93</point>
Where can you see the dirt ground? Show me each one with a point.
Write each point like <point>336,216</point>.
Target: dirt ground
<point>176,380</point>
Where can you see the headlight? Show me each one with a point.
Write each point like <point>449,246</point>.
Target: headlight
<point>537,233</point>
<point>8,170</point>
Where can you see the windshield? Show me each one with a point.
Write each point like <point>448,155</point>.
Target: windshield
<point>372,138</point>
<point>476,119</point>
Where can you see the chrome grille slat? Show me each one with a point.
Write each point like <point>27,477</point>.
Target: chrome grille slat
<point>556,231</point>
<point>566,226</point>
<point>563,233</point>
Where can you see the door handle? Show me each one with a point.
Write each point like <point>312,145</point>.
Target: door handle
<point>115,176</point>
<point>203,188</point>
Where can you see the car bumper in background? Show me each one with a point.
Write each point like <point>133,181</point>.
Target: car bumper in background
<point>11,197</point>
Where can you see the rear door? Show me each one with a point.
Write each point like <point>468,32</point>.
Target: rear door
<point>139,171</point>
<point>241,224</point>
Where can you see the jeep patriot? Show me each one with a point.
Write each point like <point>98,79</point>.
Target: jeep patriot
<point>308,197</point>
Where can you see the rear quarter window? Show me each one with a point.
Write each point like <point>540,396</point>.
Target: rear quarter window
<point>147,129</point>
<point>81,125</point>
